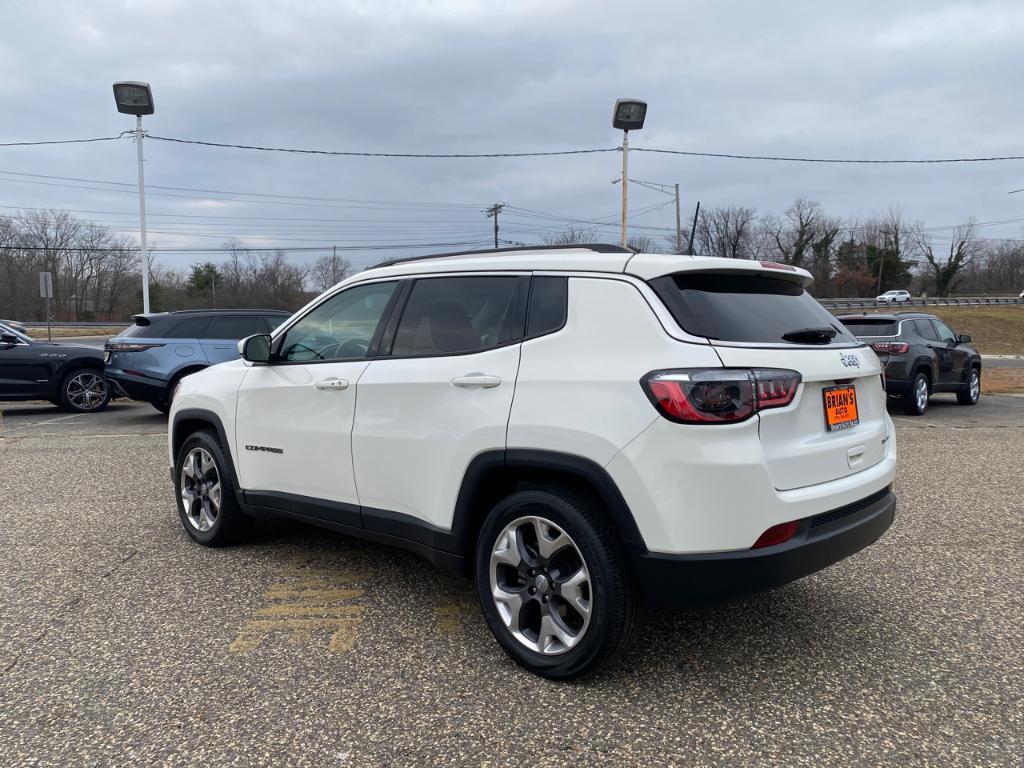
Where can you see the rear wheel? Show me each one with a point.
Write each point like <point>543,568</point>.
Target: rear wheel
<point>915,402</point>
<point>971,390</point>
<point>205,493</point>
<point>553,584</point>
<point>84,390</point>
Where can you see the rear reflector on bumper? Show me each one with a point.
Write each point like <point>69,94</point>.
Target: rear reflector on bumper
<point>777,534</point>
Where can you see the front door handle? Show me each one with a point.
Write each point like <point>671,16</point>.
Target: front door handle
<point>332,383</point>
<point>481,380</point>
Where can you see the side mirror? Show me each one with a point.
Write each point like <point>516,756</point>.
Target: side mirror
<point>255,349</point>
<point>963,338</point>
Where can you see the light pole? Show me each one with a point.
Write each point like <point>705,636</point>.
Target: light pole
<point>135,98</point>
<point>628,116</point>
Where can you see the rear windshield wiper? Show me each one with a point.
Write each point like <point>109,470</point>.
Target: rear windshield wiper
<point>810,335</point>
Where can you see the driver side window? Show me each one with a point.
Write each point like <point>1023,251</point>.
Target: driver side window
<point>945,334</point>
<point>339,329</point>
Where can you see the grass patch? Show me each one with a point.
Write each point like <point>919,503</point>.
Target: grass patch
<point>38,332</point>
<point>1002,380</point>
<point>996,330</point>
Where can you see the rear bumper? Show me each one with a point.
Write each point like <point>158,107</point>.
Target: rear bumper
<point>682,580</point>
<point>138,387</point>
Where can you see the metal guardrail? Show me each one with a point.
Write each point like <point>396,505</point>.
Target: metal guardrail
<point>917,301</point>
<point>79,324</point>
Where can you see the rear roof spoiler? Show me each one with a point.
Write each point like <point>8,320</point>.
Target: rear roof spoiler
<point>141,319</point>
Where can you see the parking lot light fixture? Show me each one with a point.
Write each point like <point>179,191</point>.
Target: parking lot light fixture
<point>629,115</point>
<point>136,98</point>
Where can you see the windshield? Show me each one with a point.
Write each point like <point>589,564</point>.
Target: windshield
<point>868,326</point>
<point>748,307</point>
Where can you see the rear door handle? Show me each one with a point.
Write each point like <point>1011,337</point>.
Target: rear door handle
<point>332,383</point>
<point>481,380</point>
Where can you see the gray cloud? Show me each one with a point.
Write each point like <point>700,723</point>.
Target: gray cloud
<point>864,80</point>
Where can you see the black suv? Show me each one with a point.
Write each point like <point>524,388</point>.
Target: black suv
<point>921,355</point>
<point>148,359</point>
<point>68,375</point>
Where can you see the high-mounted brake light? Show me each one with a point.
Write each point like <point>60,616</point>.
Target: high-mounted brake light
<point>777,265</point>
<point>719,395</point>
<point>123,347</point>
<point>891,347</point>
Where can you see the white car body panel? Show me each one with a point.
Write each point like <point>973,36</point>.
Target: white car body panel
<point>280,408</point>
<point>416,431</point>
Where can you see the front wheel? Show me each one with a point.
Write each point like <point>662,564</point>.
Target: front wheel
<point>207,507</point>
<point>971,389</point>
<point>84,391</point>
<point>553,584</point>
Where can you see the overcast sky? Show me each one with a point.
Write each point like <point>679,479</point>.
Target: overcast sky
<point>860,80</point>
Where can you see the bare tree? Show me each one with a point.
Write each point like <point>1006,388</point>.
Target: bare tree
<point>573,235</point>
<point>944,268</point>
<point>730,232</point>
<point>328,271</point>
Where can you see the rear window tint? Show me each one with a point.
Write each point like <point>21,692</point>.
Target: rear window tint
<point>744,307</point>
<point>234,327</point>
<point>869,326</point>
<point>189,328</point>
<point>548,305</point>
<point>925,330</point>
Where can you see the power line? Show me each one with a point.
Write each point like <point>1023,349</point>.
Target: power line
<point>779,158</point>
<point>439,156</point>
<point>62,141</point>
<point>245,249</point>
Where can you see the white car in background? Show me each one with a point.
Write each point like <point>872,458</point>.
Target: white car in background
<point>895,297</point>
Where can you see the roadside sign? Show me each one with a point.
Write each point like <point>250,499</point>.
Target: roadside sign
<point>46,285</point>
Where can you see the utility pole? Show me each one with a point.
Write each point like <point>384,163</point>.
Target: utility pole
<point>493,211</point>
<point>625,185</point>
<point>679,225</point>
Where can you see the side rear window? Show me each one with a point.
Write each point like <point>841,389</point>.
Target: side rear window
<point>234,327</point>
<point>549,305</point>
<point>460,315</point>
<point>190,328</point>
<point>925,331</point>
<point>870,326</point>
<point>747,308</point>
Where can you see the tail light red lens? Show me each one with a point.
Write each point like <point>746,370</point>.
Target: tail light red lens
<point>123,347</point>
<point>777,534</point>
<point>719,395</point>
<point>891,347</point>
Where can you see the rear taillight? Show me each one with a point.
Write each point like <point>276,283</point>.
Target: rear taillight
<point>891,347</point>
<point>719,395</point>
<point>777,534</point>
<point>123,347</point>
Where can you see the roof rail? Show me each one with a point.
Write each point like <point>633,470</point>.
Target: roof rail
<point>595,247</point>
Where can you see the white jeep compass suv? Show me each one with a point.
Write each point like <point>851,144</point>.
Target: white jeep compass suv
<point>583,430</point>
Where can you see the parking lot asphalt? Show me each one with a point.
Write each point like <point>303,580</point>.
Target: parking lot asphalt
<point>123,643</point>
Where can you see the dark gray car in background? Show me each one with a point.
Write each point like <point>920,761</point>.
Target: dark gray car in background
<point>921,355</point>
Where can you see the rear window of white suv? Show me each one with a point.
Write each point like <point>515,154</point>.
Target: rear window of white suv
<point>748,308</point>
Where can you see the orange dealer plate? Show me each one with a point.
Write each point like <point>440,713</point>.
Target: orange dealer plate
<point>840,407</point>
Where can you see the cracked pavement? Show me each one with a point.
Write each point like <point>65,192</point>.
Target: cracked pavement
<point>122,643</point>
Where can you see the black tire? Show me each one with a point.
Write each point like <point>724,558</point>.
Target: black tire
<point>913,405</point>
<point>971,390</point>
<point>161,405</point>
<point>84,390</point>
<point>615,605</point>
<point>227,523</point>
<point>164,403</point>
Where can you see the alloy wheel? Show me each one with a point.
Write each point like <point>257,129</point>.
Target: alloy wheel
<point>200,489</point>
<point>86,391</point>
<point>974,387</point>
<point>541,585</point>
<point>921,394</point>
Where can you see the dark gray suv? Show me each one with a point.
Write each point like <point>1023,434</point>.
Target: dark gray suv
<point>921,355</point>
